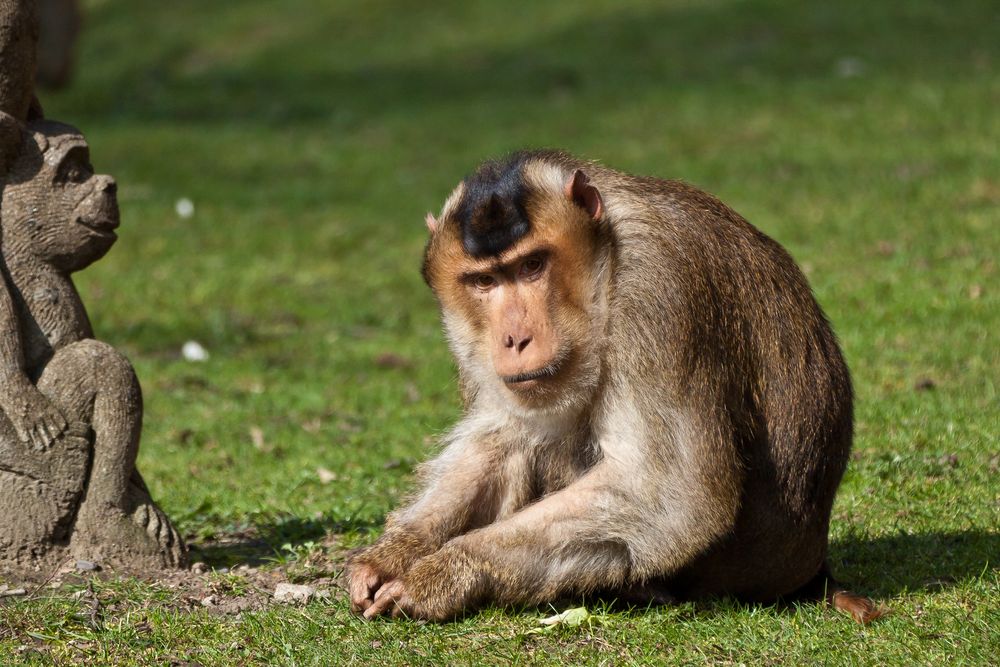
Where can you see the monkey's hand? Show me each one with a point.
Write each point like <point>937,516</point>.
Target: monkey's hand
<point>363,580</point>
<point>386,560</point>
<point>33,415</point>
<point>438,587</point>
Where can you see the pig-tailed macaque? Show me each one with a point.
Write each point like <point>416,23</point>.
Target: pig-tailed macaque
<point>656,407</point>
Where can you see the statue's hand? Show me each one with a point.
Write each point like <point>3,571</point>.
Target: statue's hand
<point>35,418</point>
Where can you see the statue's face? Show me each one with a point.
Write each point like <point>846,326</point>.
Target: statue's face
<point>54,206</point>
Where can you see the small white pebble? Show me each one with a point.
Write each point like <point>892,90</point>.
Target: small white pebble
<point>193,351</point>
<point>184,207</point>
<point>293,593</point>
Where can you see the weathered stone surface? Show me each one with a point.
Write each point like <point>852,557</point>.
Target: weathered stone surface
<point>18,44</point>
<point>70,405</point>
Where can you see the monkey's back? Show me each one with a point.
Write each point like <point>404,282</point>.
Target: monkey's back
<point>744,338</point>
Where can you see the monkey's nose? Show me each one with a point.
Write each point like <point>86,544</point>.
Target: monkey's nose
<point>109,185</point>
<point>519,344</point>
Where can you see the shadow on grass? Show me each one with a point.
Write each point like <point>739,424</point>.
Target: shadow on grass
<point>882,567</point>
<point>894,564</point>
<point>272,541</point>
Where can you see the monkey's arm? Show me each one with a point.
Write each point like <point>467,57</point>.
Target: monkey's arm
<point>33,416</point>
<point>458,483</point>
<point>616,526</point>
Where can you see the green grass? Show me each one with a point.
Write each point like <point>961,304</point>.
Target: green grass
<point>312,136</point>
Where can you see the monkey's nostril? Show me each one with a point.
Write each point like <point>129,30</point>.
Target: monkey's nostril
<point>508,341</point>
<point>523,344</point>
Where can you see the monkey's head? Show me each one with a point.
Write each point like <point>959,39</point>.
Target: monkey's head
<point>514,259</point>
<point>54,206</point>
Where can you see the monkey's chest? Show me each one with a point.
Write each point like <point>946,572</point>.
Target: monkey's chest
<point>55,318</point>
<point>535,473</point>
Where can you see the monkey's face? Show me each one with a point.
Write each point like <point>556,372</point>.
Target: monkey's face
<point>54,206</point>
<point>522,318</point>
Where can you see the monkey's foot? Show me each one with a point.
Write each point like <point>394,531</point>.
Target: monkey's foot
<point>646,593</point>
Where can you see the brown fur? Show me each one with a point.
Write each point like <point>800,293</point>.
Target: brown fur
<point>691,444</point>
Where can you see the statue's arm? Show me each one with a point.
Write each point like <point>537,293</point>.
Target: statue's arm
<point>33,416</point>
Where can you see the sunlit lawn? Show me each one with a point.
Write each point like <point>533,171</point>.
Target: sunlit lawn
<point>312,137</point>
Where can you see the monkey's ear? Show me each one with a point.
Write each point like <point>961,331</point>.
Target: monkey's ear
<point>580,191</point>
<point>432,223</point>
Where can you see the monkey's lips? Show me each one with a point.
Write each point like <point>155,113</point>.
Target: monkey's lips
<point>103,225</point>
<point>529,379</point>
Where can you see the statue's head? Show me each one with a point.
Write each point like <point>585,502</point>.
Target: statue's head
<point>54,206</point>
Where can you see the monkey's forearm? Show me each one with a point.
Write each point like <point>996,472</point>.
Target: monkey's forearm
<point>552,547</point>
<point>592,535</point>
<point>455,484</point>
<point>394,552</point>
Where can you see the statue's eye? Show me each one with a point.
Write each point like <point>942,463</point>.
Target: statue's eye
<point>75,172</point>
<point>484,281</point>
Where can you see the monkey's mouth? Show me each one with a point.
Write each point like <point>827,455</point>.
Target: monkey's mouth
<point>103,225</point>
<point>529,377</point>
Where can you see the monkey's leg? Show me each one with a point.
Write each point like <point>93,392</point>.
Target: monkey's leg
<point>611,528</point>
<point>93,382</point>
<point>459,491</point>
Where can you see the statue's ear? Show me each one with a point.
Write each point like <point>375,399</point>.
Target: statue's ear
<point>581,192</point>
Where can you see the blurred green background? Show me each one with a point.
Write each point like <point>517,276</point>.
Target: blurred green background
<point>312,136</point>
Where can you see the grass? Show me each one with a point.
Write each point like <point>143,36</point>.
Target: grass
<point>311,138</point>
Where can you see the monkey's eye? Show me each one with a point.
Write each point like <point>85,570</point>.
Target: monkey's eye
<point>532,267</point>
<point>75,172</point>
<point>484,281</point>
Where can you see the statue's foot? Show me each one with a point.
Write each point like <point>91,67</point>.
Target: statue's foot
<point>140,540</point>
<point>159,530</point>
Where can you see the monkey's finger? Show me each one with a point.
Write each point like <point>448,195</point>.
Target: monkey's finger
<point>55,418</point>
<point>385,599</point>
<point>23,434</point>
<point>40,438</point>
<point>54,426</point>
<point>78,430</point>
<point>362,584</point>
<point>378,607</point>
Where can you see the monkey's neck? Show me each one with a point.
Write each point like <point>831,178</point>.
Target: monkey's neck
<point>50,312</point>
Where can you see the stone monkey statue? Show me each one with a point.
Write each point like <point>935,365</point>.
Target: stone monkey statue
<point>71,477</point>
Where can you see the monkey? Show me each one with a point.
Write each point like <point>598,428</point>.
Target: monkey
<point>655,405</point>
<point>36,420</point>
<point>77,484</point>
